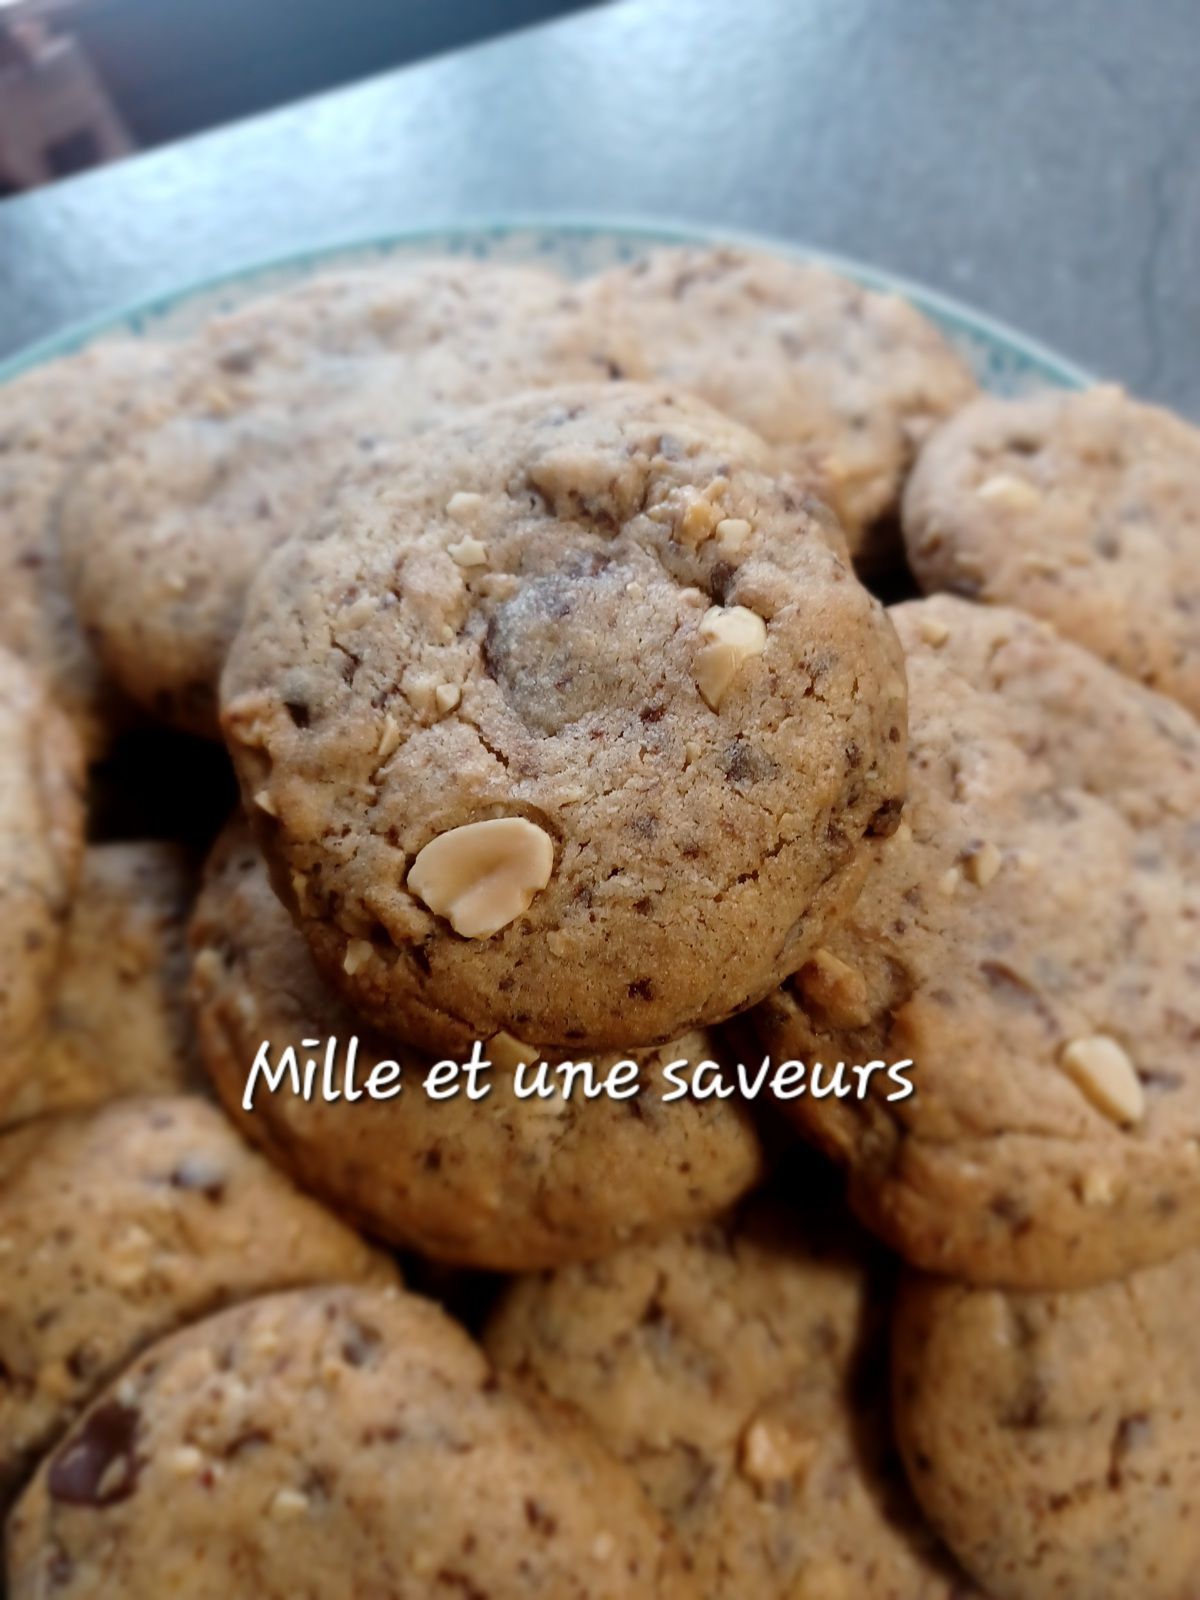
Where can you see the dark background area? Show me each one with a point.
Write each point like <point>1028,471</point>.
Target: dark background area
<point>176,67</point>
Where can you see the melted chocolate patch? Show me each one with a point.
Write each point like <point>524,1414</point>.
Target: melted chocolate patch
<point>98,1466</point>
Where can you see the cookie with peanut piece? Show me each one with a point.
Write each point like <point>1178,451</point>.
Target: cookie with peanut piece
<point>1054,1438</point>
<point>234,446</point>
<point>843,382</point>
<point>569,723</point>
<point>341,1441</point>
<point>1030,940</point>
<point>507,1183</point>
<point>740,1371</point>
<point>120,1225</point>
<point>1082,509</point>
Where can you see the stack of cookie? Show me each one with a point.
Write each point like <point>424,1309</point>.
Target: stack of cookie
<point>536,622</point>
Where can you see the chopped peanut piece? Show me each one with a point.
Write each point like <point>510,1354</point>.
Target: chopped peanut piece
<point>468,552</point>
<point>480,877</point>
<point>509,1053</point>
<point>1103,1071</point>
<point>836,988</point>
<point>358,953</point>
<point>732,635</point>
<point>982,864</point>
<point>1008,492</point>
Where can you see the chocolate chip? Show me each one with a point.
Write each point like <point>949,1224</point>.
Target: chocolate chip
<point>361,1345</point>
<point>98,1466</point>
<point>539,1519</point>
<point>60,1569</point>
<point>744,763</point>
<point>201,1174</point>
<point>721,581</point>
<point>251,1439</point>
<point>240,359</point>
<point>886,819</point>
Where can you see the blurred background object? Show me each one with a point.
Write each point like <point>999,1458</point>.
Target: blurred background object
<point>56,117</point>
<point>85,81</point>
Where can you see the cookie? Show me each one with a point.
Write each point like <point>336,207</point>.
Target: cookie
<point>41,845</point>
<point>1029,940</point>
<point>504,1183</point>
<point>1083,509</point>
<point>51,417</point>
<point>1053,1437</point>
<point>118,1226</point>
<point>570,727</point>
<point>740,1371</point>
<point>844,383</point>
<point>332,1442</point>
<point>120,1023</point>
<point>259,413</point>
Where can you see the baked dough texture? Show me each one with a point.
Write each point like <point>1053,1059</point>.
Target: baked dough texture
<point>1082,509</point>
<point>1030,939</point>
<point>502,1183</point>
<point>570,724</point>
<point>118,1226</point>
<point>844,383</point>
<point>41,847</point>
<point>238,440</point>
<point>740,1370</point>
<point>342,1441</point>
<point>119,1023</point>
<point>1054,1439</point>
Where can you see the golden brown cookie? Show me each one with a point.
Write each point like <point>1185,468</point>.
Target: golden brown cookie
<point>504,1183</point>
<point>41,845</point>
<point>51,418</point>
<point>1054,1439</point>
<point>236,445</point>
<point>124,1223</point>
<point>120,1022</point>
<point>740,1371</point>
<point>1083,509</point>
<point>1030,939</point>
<point>842,382</point>
<point>571,726</point>
<point>340,1441</point>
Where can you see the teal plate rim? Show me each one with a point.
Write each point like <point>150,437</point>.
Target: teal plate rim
<point>466,235</point>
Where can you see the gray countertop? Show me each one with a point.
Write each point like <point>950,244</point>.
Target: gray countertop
<point>1040,161</point>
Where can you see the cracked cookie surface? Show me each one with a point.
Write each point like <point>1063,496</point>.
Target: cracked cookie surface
<point>473,718</point>
<point>1082,509</point>
<point>1029,938</point>
<point>122,1224</point>
<point>41,846</point>
<point>503,1183</point>
<point>740,1371</point>
<point>1053,1438</point>
<point>235,445</point>
<point>844,383</point>
<point>119,1023</point>
<point>339,1441</point>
